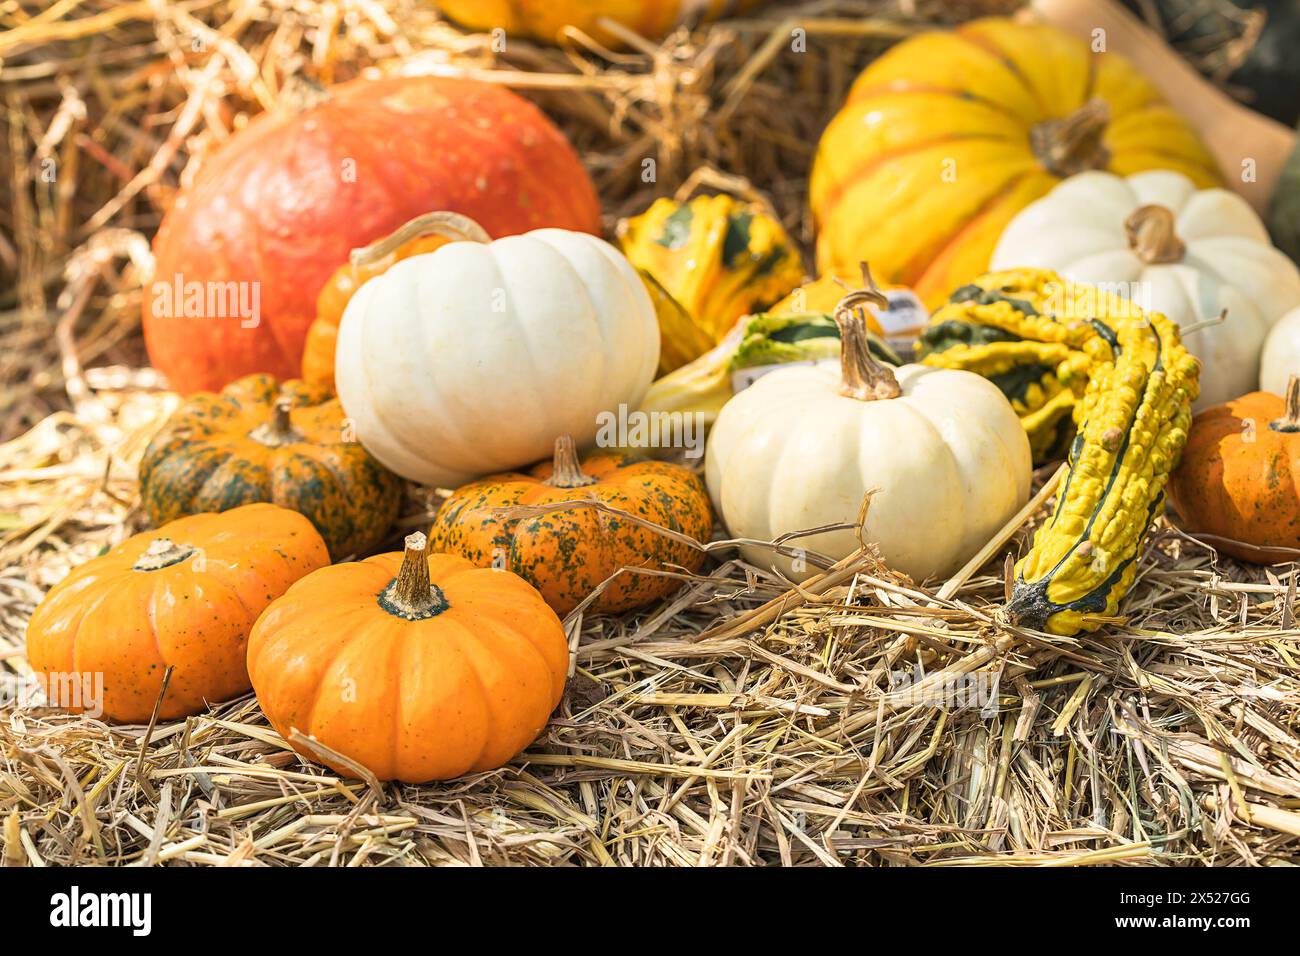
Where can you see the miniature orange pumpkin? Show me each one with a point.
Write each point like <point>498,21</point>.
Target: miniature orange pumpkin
<point>1239,480</point>
<point>184,595</point>
<point>261,440</point>
<point>422,234</point>
<point>566,554</point>
<point>418,667</point>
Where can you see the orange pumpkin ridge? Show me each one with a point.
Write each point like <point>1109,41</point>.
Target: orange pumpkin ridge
<point>566,554</point>
<point>1239,479</point>
<point>605,21</point>
<point>186,596</point>
<point>417,666</point>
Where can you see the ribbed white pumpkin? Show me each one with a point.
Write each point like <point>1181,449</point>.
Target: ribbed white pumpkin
<point>1185,252</point>
<point>1281,356</point>
<point>947,458</point>
<point>473,358</point>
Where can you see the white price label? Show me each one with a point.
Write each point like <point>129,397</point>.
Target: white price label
<point>742,378</point>
<point>903,321</point>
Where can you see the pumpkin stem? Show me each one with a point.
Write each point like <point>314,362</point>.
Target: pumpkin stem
<point>861,375</point>
<point>1290,422</point>
<point>162,553</point>
<point>1150,232</point>
<point>450,224</point>
<point>411,595</point>
<point>279,430</point>
<point>566,469</point>
<point>1073,144</point>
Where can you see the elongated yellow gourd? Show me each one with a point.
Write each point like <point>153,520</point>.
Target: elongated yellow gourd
<point>1128,385</point>
<point>1040,364</point>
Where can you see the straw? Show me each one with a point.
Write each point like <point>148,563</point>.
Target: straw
<point>855,718</point>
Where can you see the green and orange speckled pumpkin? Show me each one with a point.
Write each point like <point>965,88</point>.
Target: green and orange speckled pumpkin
<point>260,440</point>
<point>565,554</point>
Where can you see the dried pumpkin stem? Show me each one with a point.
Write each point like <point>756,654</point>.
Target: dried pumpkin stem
<point>411,595</point>
<point>1151,235</point>
<point>1290,422</point>
<point>861,375</point>
<point>566,469</point>
<point>162,553</point>
<point>279,430</point>
<point>452,225</point>
<point>1073,144</point>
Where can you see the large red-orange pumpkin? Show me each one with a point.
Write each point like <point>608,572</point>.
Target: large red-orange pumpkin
<point>285,201</point>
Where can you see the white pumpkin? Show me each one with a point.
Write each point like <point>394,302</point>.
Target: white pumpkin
<point>1281,356</point>
<point>1187,253</point>
<point>473,358</point>
<point>943,450</point>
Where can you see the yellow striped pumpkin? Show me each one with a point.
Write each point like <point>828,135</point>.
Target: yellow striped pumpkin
<point>948,135</point>
<point>544,19</point>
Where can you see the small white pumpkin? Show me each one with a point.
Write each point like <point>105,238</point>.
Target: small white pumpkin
<point>1185,252</point>
<point>943,451</point>
<point>472,358</point>
<point>1281,357</point>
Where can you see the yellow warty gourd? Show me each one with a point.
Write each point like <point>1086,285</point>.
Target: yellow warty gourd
<point>1040,364</point>
<point>1127,382</point>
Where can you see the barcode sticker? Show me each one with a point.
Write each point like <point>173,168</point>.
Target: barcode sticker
<point>903,321</point>
<point>742,378</point>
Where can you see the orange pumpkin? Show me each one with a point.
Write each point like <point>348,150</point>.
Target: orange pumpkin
<point>242,253</point>
<point>545,19</point>
<point>185,595</point>
<point>422,234</point>
<point>1239,479</point>
<point>417,667</point>
<point>565,554</point>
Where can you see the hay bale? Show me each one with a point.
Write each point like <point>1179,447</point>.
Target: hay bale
<point>858,718</point>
